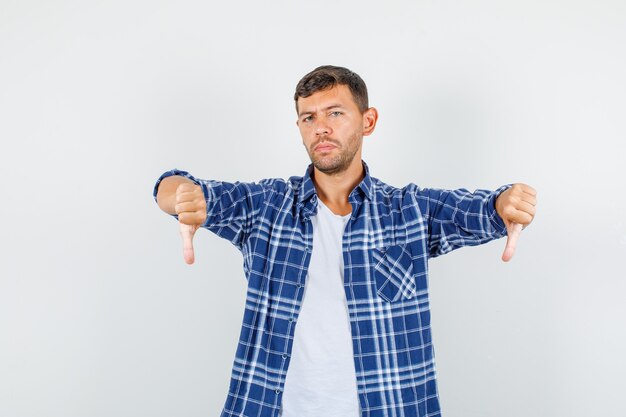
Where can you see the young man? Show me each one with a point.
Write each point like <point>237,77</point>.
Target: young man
<point>337,319</point>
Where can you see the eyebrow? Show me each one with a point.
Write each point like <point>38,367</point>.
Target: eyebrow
<point>332,106</point>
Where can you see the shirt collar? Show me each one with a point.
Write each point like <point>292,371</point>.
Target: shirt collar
<point>308,188</point>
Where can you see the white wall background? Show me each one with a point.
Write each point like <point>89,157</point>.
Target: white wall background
<point>100,316</point>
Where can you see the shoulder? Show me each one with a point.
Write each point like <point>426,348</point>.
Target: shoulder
<point>273,183</point>
<point>382,190</point>
<point>281,186</point>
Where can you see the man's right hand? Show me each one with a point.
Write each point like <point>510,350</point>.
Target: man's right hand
<point>191,210</point>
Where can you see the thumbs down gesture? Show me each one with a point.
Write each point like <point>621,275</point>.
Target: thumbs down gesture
<point>191,210</point>
<point>516,207</point>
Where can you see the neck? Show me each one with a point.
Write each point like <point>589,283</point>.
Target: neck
<point>334,189</point>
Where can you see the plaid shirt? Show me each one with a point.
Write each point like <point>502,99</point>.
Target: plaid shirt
<point>386,246</point>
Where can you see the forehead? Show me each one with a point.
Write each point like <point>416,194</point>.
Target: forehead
<point>338,95</point>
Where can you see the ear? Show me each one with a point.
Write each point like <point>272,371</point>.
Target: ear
<point>370,117</point>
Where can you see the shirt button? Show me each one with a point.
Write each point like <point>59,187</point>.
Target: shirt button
<point>284,356</point>
<point>307,249</point>
<point>277,391</point>
<point>291,319</point>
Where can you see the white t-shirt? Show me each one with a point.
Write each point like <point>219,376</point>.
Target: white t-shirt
<point>321,379</point>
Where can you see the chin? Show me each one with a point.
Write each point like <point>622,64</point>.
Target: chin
<point>329,168</point>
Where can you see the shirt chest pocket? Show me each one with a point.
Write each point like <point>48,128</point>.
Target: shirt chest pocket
<point>393,273</point>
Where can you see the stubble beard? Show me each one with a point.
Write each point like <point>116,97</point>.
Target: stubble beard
<point>331,165</point>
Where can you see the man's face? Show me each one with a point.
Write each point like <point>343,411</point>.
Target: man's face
<point>332,128</point>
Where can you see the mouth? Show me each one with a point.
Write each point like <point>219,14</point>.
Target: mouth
<point>324,147</point>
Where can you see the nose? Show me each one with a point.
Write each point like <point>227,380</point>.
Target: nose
<point>322,128</point>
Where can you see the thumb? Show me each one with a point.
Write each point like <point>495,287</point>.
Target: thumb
<point>186,233</point>
<point>513,232</point>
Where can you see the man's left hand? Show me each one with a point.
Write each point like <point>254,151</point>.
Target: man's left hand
<point>516,207</point>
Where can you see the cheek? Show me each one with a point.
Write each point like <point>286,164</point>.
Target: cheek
<point>306,141</point>
<point>304,129</point>
<point>345,125</point>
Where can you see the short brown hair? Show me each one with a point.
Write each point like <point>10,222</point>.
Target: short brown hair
<point>327,77</point>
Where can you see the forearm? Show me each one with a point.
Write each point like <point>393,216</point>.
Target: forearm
<point>166,195</point>
<point>458,218</point>
<point>228,209</point>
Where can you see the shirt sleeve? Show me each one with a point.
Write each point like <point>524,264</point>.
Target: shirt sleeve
<point>458,218</point>
<point>232,208</point>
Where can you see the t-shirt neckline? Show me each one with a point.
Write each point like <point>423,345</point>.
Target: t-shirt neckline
<point>339,216</point>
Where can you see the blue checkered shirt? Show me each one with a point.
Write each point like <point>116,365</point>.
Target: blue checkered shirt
<point>388,240</point>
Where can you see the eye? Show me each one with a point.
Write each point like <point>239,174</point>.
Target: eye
<point>307,119</point>
<point>335,113</point>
